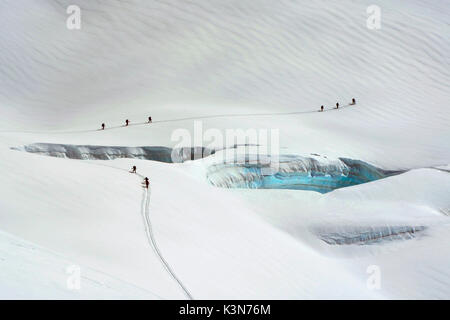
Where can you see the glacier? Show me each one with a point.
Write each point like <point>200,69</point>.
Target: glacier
<point>355,187</point>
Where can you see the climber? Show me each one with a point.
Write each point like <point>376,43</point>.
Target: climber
<point>321,108</point>
<point>133,169</point>
<point>147,182</point>
<point>337,105</point>
<point>149,119</point>
<point>126,122</point>
<point>353,101</point>
<point>103,126</point>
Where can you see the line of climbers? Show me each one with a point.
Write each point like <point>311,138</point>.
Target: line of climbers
<point>146,181</point>
<point>337,105</point>
<point>127,122</point>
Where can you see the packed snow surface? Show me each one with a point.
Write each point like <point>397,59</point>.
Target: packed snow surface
<point>69,203</point>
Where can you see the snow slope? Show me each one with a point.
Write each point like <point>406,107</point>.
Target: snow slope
<point>31,272</point>
<point>164,57</point>
<point>233,64</point>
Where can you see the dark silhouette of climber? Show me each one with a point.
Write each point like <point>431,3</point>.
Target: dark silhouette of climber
<point>133,169</point>
<point>353,101</point>
<point>149,119</point>
<point>147,182</point>
<point>126,122</point>
<point>337,105</point>
<point>321,108</point>
<point>103,126</point>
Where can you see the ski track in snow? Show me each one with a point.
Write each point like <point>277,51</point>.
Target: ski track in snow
<point>145,212</point>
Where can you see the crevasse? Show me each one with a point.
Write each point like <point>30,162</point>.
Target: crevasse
<point>297,173</point>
